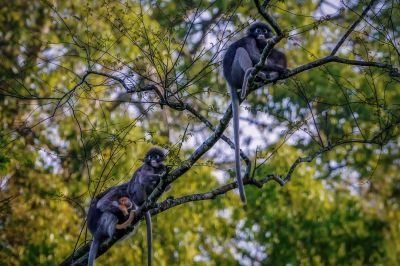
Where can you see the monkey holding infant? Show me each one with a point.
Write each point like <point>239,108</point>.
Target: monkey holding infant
<point>111,207</point>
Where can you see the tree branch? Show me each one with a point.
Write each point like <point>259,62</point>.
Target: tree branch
<point>330,59</point>
<point>352,27</point>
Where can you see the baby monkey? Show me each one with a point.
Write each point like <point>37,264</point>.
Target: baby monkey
<point>124,204</point>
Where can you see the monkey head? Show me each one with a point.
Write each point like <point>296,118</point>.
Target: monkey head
<point>125,201</point>
<point>154,157</point>
<point>261,32</point>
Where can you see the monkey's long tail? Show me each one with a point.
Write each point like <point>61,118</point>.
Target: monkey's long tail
<point>128,222</point>
<point>235,113</point>
<point>93,251</point>
<point>149,239</point>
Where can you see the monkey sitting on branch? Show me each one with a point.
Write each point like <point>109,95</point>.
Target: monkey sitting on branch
<point>142,184</point>
<point>112,206</point>
<point>238,63</point>
<point>105,211</point>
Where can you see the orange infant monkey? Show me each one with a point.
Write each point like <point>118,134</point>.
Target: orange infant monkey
<point>124,204</point>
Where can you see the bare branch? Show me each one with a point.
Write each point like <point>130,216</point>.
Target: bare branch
<point>352,27</point>
<point>330,59</point>
<point>223,137</point>
<point>377,139</point>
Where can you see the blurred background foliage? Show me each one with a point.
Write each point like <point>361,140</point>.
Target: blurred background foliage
<point>64,140</point>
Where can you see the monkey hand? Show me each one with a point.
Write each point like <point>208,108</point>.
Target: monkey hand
<point>394,72</point>
<point>115,204</point>
<point>163,173</point>
<point>169,200</point>
<point>285,71</point>
<point>133,213</point>
<point>261,76</point>
<point>167,188</point>
<point>168,168</point>
<point>280,74</point>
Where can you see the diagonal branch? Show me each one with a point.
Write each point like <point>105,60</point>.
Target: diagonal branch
<point>223,137</point>
<point>352,27</point>
<point>80,256</point>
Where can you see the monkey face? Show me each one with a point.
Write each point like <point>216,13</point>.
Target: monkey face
<point>155,160</point>
<point>155,157</point>
<point>125,201</point>
<point>260,31</point>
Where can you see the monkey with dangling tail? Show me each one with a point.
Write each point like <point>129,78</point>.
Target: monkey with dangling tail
<point>238,63</point>
<point>105,211</point>
<point>142,184</point>
<point>110,207</point>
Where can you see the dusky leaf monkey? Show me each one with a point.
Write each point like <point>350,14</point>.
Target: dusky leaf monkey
<point>138,189</point>
<point>142,184</point>
<point>104,214</point>
<point>238,63</point>
<point>111,206</point>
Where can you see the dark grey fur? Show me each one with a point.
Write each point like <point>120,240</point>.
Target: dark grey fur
<point>142,184</point>
<point>103,215</point>
<point>238,62</point>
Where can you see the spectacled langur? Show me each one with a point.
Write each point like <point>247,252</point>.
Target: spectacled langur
<point>104,213</point>
<point>239,61</point>
<point>111,206</point>
<point>142,184</point>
